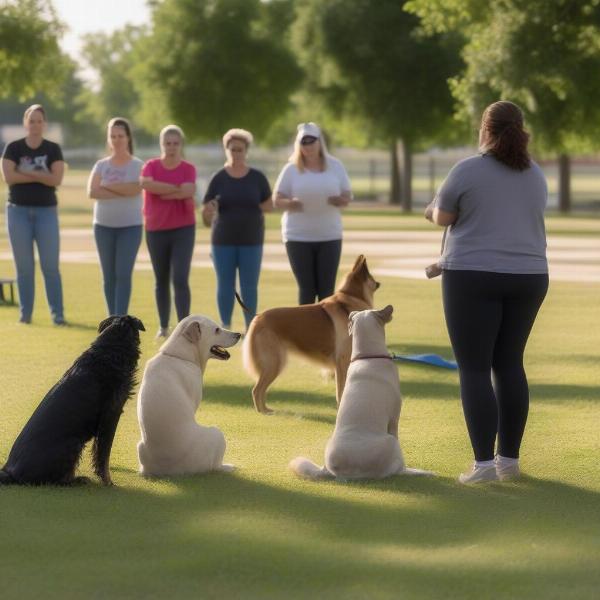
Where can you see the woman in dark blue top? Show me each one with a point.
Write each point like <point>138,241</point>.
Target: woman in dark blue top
<point>236,198</point>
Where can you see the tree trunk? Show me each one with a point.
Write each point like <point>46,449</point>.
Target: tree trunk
<point>406,179</point>
<point>564,183</point>
<point>395,182</point>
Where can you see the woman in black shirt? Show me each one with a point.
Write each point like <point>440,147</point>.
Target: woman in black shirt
<point>33,167</point>
<point>234,203</point>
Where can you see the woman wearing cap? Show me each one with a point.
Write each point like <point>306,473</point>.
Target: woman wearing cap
<point>311,190</point>
<point>169,185</point>
<point>494,280</point>
<point>236,198</point>
<point>114,184</point>
<point>33,168</point>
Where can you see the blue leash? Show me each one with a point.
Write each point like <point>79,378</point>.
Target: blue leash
<point>433,360</point>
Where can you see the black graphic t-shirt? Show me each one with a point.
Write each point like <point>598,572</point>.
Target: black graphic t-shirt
<point>32,159</point>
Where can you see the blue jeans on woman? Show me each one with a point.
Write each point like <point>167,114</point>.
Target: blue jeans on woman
<point>39,224</point>
<point>117,249</point>
<point>245,260</point>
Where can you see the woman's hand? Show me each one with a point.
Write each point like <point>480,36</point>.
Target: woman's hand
<point>209,210</point>
<point>429,211</point>
<point>339,201</point>
<point>289,204</point>
<point>294,205</point>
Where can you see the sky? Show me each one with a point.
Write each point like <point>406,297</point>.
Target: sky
<point>87,16</point>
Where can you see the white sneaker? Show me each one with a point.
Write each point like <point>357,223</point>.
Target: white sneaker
<point>163,332</point>
<point>479,475</point>
<point>507,468</point>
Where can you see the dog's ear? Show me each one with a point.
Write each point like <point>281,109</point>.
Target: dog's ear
<point>359,263</point>
<point>136,323</point>
<point>193,332</point>
<point>107,323</point>
<point>385,314</point>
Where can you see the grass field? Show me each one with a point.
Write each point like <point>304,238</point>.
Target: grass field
<point>262,533</point>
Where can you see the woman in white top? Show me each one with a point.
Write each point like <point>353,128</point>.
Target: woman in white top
<point>311,190</point>
<point>115,187</point>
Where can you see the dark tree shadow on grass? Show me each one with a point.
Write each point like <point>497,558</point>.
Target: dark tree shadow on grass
<point>307,540</point>
<point>279,400</point>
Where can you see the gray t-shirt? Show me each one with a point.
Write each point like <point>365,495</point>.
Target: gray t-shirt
<point>500,224</point>
<point>118,212</point>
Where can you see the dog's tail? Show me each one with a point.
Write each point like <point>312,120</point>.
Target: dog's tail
<point>308,470</point>
<point>409,471</point>
<point>6,478</point>
<point>241,302</point>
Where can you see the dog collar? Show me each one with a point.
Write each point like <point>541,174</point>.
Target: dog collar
<point>365,356</point>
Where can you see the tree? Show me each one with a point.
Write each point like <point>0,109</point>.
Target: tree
<point>112,57</point>
<point>210,65</point>
<point>30,57</point>
<point>542,55</point>
<point>64,107</point>
<point>369,60</point>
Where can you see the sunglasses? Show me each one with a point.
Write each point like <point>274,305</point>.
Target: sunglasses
<point>307,140</point>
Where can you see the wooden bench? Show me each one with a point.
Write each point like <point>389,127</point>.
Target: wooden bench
<point>10,285</point>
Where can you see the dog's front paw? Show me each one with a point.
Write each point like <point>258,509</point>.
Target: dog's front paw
<point>81,480</point>
<point>227,468</point>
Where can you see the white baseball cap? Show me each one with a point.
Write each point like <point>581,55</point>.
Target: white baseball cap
<point>305,129</point>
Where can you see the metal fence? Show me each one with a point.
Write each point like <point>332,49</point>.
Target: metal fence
<point>369,170</point>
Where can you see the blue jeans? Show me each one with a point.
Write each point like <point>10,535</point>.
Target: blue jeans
<point>246,260</point>
<point>117,249</point>
<point>39,224</point>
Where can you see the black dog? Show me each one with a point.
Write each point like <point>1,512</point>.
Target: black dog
<point>86,403</point>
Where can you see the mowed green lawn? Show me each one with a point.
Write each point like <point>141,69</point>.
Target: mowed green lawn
<point>262,533</point>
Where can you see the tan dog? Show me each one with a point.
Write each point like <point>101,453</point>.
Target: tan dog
<point>365,443</point>
<point>172,442</point>
<point>317,331</point>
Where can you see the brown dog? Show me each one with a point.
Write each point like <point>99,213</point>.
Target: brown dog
<point>317,331</point>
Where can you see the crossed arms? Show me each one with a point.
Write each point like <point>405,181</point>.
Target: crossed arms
<point>13,176</point>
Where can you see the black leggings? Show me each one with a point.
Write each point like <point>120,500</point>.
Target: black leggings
<point>489,318</point>
<point>171,253</point>
<point>315,266</point>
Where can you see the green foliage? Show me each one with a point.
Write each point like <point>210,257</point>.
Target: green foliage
<point>543,55</point>
<point>112,57</point>
<point>30,57</point>
<point>210,65</point>
<point>65,107</point>
<point>371,60</point>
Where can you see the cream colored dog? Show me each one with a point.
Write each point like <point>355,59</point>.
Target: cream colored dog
<point>172,442</point>
<point>365,443</point>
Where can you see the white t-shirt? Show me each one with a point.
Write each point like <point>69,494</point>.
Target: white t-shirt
<point>118,212</point>
<point>319,221</point>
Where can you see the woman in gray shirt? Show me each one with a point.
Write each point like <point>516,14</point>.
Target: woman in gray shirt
<point>114,185</point>
<point>495,278</point>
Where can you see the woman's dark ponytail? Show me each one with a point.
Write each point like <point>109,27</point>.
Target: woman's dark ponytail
<point>502,135</point>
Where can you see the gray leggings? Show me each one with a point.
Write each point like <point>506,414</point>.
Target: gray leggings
<point>171,254</point>
<point>315,266</point>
